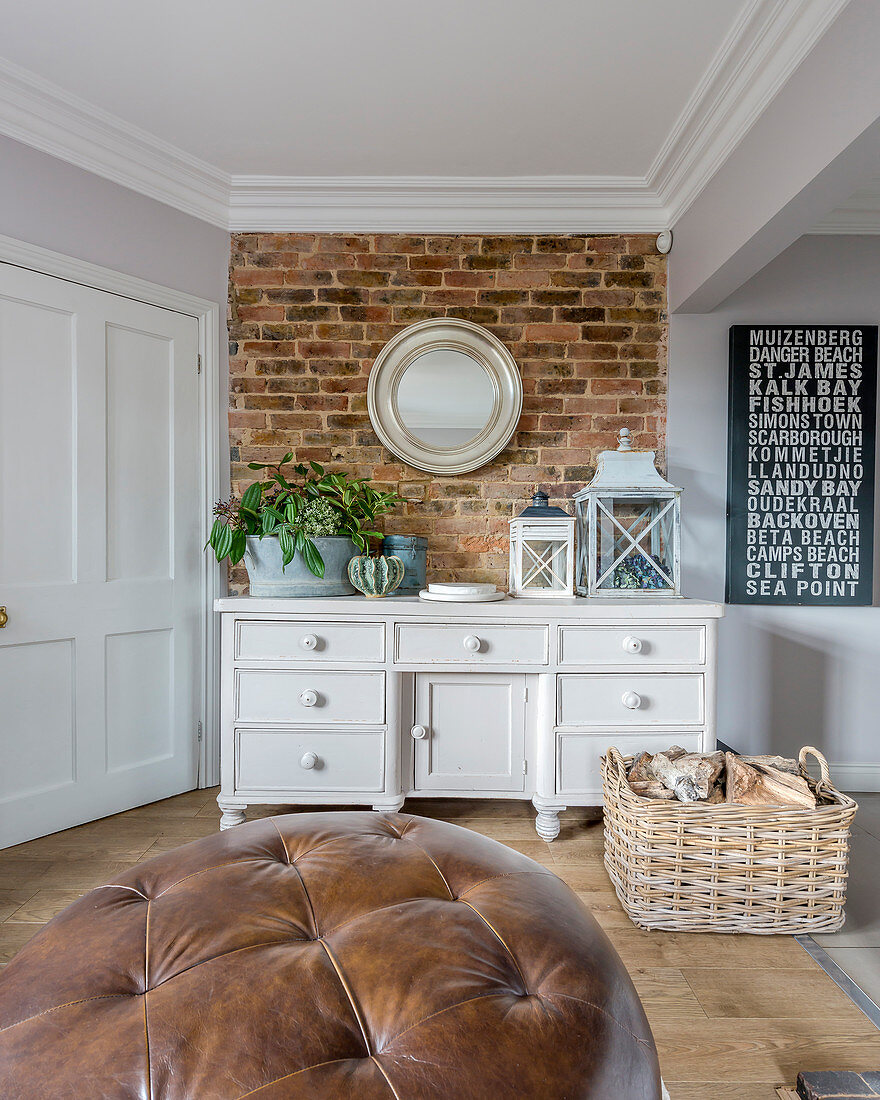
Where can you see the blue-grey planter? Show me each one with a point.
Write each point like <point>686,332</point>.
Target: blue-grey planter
<point>413,552</point>
<point>375,576</point>
<point>263,561</point>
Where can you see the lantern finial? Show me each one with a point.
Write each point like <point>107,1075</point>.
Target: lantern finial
<point>624,440</point>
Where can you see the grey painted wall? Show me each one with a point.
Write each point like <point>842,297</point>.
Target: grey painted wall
<point>49,203</point>
<point>789,676</point>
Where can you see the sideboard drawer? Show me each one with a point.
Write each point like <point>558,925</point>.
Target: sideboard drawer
<point>308,760</point>
<point>578,755</point>
<point>625,699</point>
<point>474,643</point>
<point>309,696</point>
<point>639,646</point>
<point>309,642</point>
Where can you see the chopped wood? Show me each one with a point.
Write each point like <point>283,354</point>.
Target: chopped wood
<point>641,772</point>
<point>757,785</point>
<point>716,795</point>
<point>691,776</point>
<point>780,763</point>
<point>650,788</point>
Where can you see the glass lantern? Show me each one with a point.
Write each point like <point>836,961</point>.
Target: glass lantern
<point>629,527</point>
<point>542,551</point>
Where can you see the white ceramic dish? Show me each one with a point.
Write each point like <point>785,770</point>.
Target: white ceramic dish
<point>451,597</point>
<point>475,588</point>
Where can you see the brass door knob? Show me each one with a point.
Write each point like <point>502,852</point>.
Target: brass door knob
<point>4,618</point>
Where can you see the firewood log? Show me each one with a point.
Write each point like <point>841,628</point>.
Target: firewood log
<point>640,771</point>
<point>780,763</point>
<point>757,785</point>
<point>716,795</point>
<point>651,788</point>
<point>691,776</point>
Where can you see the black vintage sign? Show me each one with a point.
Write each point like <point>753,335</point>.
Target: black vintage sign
<point>800,488</point>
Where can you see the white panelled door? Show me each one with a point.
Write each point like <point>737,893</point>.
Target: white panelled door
<point>100,467</point>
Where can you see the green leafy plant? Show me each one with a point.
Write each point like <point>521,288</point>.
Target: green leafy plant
<point>296,513</point>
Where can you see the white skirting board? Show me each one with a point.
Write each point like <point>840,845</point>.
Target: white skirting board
<point>855,778</point>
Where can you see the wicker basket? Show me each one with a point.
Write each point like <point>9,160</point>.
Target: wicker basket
<point>692,867</point>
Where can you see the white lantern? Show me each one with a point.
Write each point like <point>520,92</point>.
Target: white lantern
<point>629,527</point>
<point>542,551</point>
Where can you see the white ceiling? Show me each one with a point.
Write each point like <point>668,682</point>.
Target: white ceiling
<point>384,87</point>
<point>429,113</point>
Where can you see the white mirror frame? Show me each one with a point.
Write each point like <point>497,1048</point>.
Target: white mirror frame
<point>450,334</point>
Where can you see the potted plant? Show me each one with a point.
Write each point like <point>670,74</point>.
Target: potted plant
<point>297,538</point>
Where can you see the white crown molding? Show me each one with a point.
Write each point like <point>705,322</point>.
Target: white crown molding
<point>760,52</point>
<point>848,222</point>
<point>764,46</point>
<point>859,214</point>
<point>445,204</point>
<point>40,114</point>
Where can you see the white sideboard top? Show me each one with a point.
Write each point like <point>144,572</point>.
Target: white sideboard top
<point>404,607</point>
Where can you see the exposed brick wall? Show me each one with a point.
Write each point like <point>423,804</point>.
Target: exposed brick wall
<point>584,317</point>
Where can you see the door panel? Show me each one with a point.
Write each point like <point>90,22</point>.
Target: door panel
<point>475,732</point>
<point>140,442</point>
<point>31,711</point>
<point>36,404</point>
<point>140,677</point>
<point>100,557</point>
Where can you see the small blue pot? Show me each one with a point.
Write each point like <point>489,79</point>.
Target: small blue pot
<point>413,552</point>
<point>375,576</point>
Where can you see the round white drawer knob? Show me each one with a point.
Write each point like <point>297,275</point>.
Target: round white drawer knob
<point>309,641</point>
<point>308,761</point>
<point>472,643</point>
<point>631,701</point>
<point>419,732</point>
<point>632,645</point>
<point>308,698</point>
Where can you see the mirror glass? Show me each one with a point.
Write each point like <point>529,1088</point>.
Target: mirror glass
<point>445,398</point>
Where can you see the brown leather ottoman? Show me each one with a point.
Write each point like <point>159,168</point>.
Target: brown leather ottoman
<point>332,955</point>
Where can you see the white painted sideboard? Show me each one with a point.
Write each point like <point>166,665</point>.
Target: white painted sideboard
<point>348,700</point>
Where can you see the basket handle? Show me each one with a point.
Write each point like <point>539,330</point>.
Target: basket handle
<point>824,773</point>
<point>614,761</point>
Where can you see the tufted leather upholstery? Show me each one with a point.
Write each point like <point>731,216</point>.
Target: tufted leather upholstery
<point>346,956</point>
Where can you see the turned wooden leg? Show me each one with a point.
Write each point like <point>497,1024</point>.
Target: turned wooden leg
<point>547,825</point>
<point>231,813</point>
<point>389,806</point>
<point>547,819</point>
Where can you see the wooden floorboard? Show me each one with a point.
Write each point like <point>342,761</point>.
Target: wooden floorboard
<point>734,1017</point>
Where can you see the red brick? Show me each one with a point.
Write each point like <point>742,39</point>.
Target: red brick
<point>583,317</point>
<point>552,332</point>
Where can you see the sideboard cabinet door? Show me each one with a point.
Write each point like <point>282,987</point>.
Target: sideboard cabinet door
<point>470,732</point>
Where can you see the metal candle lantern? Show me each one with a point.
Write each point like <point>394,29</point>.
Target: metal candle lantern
<point>542,551</point>
<point>629,527</point>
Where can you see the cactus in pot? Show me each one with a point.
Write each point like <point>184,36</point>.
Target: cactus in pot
<point>375,575</point>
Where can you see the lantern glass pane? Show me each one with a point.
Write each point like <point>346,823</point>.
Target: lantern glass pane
<point>544,564</point>
<point>635,543</point>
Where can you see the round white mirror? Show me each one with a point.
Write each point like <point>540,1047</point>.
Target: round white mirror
<point>445,396</point>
